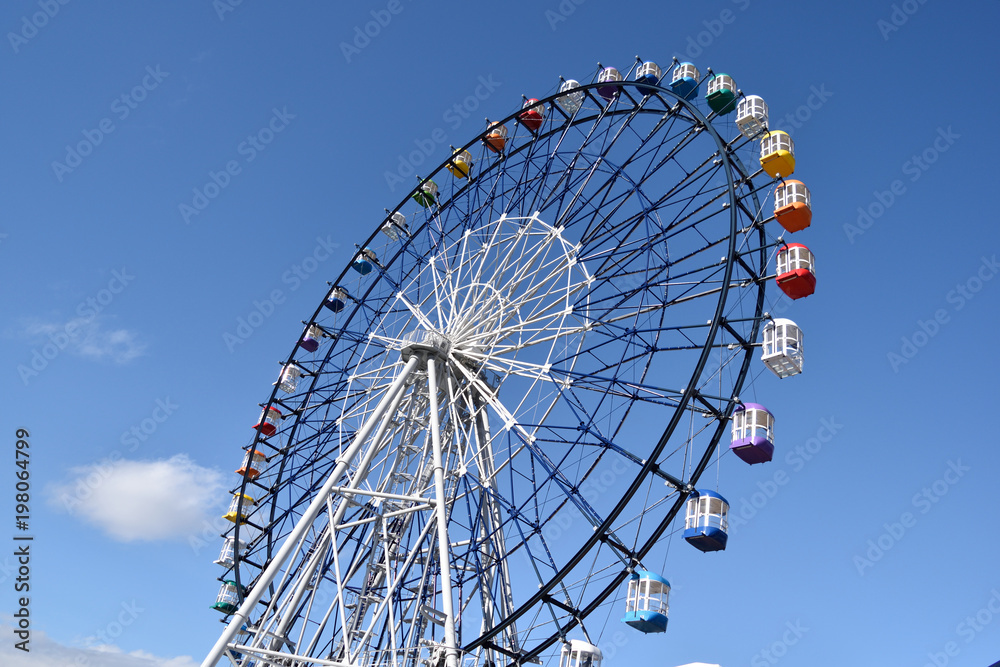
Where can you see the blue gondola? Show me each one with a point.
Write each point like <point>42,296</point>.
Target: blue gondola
<point>707,521</point>
<point>646,606</point>
<point>336,300</point>
<point>364,262</point>
<point>685,80</point>
<point>649,74</point>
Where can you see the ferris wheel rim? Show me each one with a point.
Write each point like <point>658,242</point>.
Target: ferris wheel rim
<point>689,391</point>
<point>574,119</point>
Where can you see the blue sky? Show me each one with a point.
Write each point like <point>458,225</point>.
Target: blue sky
<point>138,416</point>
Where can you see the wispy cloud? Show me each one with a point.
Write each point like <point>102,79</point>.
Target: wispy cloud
<point>143,500</point>
<point>88,337</point>
<point>46,652</point>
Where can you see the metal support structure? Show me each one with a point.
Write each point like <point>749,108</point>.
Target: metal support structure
<point>441,510</point>
<point>318,504</point>
<point>339,514</point>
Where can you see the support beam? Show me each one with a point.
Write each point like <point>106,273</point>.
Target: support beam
<point>318,504</point>
<point>441,510</point>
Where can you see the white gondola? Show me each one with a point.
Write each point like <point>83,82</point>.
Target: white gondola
<point>570,101</point>
<point>395,227</point>
<point>781,348</point>
<point>578,653</point>
<point>751,116</point>
<point>230,551</point>
<point>289,379</point>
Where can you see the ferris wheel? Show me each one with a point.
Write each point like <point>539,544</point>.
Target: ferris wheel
<point>508,396</point>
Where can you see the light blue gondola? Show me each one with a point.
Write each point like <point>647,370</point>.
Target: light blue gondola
<point>646,605</point>
<point>649,74</point>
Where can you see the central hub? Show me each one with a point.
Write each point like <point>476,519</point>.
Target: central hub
<point>426,342</point>
<point>510,298</point>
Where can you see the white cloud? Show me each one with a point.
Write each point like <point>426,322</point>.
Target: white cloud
<point>45,652</point>
<point>143,500</point>
<point>88,337</point>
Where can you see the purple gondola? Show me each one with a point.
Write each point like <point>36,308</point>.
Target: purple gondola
<point>753,433</point>
<point>608,76</point>
<point>311,338</point>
